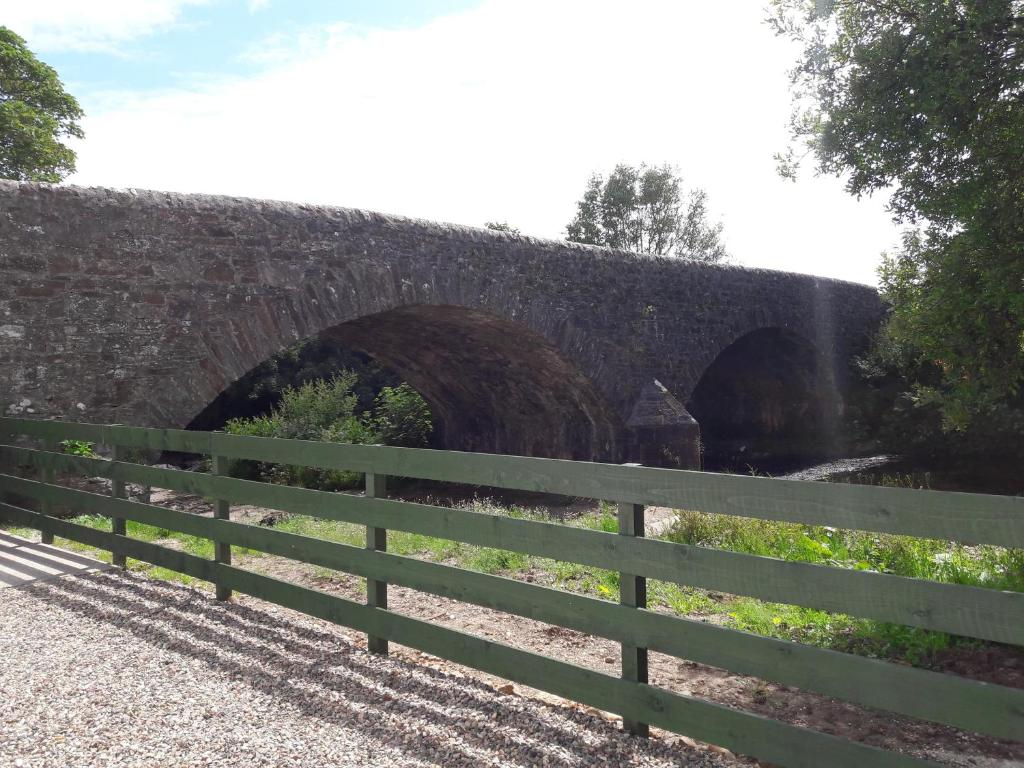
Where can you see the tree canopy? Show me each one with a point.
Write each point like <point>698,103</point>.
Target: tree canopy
<point>644,209</point>
<point>35,114</point>
<point>924,98</point>
<point>502,226</point>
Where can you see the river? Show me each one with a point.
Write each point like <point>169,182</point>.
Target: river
<point>991,475</point>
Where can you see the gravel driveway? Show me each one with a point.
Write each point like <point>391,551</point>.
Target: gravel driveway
<point>115,670</point>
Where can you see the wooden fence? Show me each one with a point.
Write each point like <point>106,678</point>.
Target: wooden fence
<point>987,614</point>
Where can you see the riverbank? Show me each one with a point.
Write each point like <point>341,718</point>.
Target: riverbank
<point>995,475</point>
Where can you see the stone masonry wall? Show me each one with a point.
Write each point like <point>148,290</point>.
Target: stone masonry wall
<point>140,307</point>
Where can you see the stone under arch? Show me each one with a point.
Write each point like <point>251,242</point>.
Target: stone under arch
<point>771,391</point>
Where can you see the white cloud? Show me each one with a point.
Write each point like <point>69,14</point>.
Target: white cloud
<point>288,47</point>
<point>502,112</point>
<point>257,5</point>
<point>88,25</point>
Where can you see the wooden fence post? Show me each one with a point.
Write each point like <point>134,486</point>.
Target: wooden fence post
<point>633,592</point>
<point>222,511</point>
<point>118,525</point>
<point>376,538</point>
<point>49,444</point>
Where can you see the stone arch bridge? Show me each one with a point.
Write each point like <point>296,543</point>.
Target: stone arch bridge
<point>141,307</point>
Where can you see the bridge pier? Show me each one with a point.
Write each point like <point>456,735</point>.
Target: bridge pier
<point>661,432</point>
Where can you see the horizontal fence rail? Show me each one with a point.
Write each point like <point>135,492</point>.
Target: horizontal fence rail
<point>967,517</point>
<point>987,614</point>
<point>949,699</point>
<point>971,611</point>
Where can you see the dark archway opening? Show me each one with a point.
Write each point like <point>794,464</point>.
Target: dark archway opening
<point>493,385</point>
<point>318,358</point>
<point>767,401</point>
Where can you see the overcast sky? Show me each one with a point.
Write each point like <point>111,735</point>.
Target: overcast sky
<point>457,111</point>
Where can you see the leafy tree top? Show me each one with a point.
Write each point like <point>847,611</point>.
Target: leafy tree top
<point>644,209</point>
<point>35,113</point>
<point>921,95</point>
<point>502,226</point>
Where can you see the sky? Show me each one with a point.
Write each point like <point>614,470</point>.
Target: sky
<point>464,111</point>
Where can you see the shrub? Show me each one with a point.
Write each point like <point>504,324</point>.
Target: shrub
<point>317,410</point>
<point>402,417</point>
<point>78,448</point>
<point>325,409</point>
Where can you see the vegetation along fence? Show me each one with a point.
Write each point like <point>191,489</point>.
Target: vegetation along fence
<point>987,614</point>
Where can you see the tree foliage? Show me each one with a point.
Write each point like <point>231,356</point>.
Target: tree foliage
<point>401,417</point>
<point>644,209</point>
<point>926,98</point>
<point>35,114</point>
<point>502,226</point>
<point>327,409</point>
<point>320,357</point>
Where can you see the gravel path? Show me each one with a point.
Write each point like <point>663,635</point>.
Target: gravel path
<point>116,670</point>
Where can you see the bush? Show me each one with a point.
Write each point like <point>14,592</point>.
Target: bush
<point>320,358</point>
<point>892,406</point>
<point>402,417</point>
<point>78,448</point>
<point>317,410</point>
<point>324,409</point>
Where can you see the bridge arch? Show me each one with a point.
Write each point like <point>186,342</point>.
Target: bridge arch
<point>493,385</point>
<point>771,390</point>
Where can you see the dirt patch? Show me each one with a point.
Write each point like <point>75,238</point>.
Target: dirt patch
<point>994,664</point>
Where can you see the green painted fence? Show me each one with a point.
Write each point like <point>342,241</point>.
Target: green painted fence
<point>986,614</point>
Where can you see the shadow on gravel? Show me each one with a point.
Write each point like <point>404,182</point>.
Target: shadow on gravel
<point>423,712</point>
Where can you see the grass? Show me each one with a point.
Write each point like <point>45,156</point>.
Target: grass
<point>945,561</point>
<point>983,566</point>
<point>483,559</point>
<point>950,562</point>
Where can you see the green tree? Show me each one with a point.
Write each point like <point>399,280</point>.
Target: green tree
<point>402,417</point>
<point>925,98</point>
<point>644,209</point>
<point>35,113</point>
<point>502,226</point>
<point>326,409</point>
<point>320,357</point>
<point>323,409</point>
